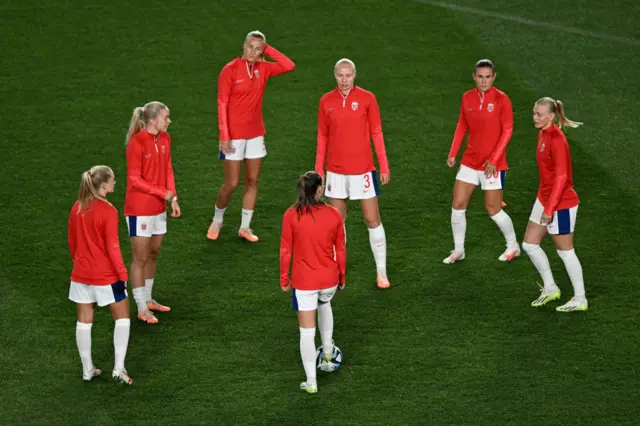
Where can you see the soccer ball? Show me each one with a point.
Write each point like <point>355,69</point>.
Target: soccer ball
<point>334,364</point>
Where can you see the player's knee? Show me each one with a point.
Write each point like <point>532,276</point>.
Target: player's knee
<point>153,254</point>
<point>140,259</point>
<point>251,182</point>
<point>230,186</point>
<point>492,209</point>
<point>459,204</point>
<point>372,222</point>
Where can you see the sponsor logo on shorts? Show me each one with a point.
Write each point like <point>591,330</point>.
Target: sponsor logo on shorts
<point>143,226</point>
<point>329,187</point>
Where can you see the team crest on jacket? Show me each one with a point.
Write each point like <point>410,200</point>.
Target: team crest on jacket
<point>164,149</point>
<point>542,148</point>
<point>490,107</point>
<point>354,106</point>
<point>257,73</point>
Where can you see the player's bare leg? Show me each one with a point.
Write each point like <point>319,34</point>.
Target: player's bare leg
<point>493,206</point>
<point>533,236</point>
<point>462,192</point>
<point>232,169</point>
<point>140,252</point>
<point>249,197</point>
<point>564,246</point>
<point>341,205</point>
<point>377,238</point>
<point>120,314</point>
<point>307,324</point>
<point>150,273</point>
<point>83,340</point>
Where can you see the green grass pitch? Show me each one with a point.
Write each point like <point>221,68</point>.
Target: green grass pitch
<point>444,345</point>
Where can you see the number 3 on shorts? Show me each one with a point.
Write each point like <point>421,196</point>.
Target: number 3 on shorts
<point>367,181</point>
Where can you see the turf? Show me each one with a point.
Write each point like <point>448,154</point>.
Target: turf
<point>444,345</point>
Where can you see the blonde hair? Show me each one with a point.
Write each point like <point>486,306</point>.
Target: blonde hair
<point>90,185</point>
<point>345,61</point>
<point>148,112</point>
<point>256,34</point>
<point>556,107</point>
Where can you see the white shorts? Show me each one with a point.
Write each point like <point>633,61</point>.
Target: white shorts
<point>147,226</point>
<point>103,295</point>
<point>477,177</point>
<point>240,149</point>
<point>307,300</point>
<point>564,221</point>
<point>353,187</point>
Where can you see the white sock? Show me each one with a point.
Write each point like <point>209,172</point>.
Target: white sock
<point>83,340</point>
<point>120,342</point>
<point>219,215</point>
<point>505,224</point>
<point>140,296</point>
<point>378,242</point>
<point>148,286</point>
<point>325,323</point>
<point>308,353</point>
<point>574,269</point>
<point>541,262</point>
<point>246,218</point>
<point>459,228</point>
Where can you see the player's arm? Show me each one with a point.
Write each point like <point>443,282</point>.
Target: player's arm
<point>560,155</point>
<point>323,138</point>
<point>341,252</point>
<point>171,179</point>
<point>225,82</point>
<point>71,233</point>
<point>134,172</point>
<point>506,123</point>
<point>375,126</point>
<point>113,244</point>
<point>286,249</point>
<point>282,65</point>
<point>461,131</point>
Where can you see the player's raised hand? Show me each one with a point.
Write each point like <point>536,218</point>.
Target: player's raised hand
<point>385,178</point>
<point>224,147</point>
<point>451,161</point>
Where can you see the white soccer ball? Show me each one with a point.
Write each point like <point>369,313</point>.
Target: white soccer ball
<point>334,364</point>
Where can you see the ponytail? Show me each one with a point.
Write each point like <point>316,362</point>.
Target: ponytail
<point>557,107</point>
<point>136,124</point>
<point>308,185</point>
<point>563,120</point>
<point>141,115</point>
<point>90,185</point>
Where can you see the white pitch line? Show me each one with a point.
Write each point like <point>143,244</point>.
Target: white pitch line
<point>573,30</point>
